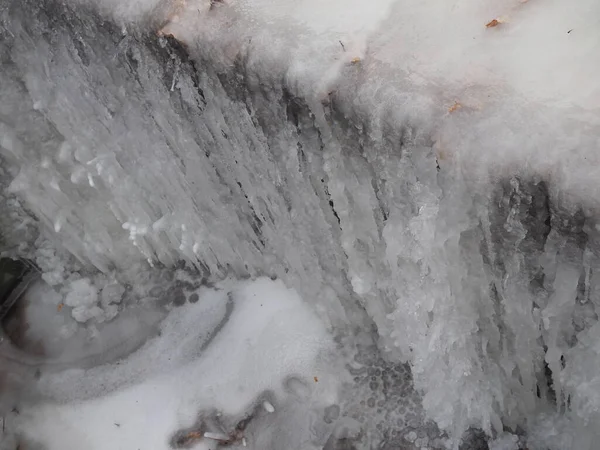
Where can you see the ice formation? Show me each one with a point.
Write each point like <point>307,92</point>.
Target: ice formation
<point>432,164</point>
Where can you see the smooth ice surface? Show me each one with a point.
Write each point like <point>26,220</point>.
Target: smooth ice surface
<point>214,355</point>
<point>432,163</point>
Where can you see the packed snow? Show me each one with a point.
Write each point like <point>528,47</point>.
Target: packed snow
<point>249,351</point>
<point>431,165</point>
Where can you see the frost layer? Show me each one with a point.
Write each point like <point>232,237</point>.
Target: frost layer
<point>402,156</point>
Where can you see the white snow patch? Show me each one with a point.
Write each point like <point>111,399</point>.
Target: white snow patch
<point>270,335</point>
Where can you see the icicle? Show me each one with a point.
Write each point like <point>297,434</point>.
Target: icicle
<point>58,223</point>
<point>160,224</point>
<point>54,184</point>
<point>78,174</point>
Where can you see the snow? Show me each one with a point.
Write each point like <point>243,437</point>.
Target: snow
<point>83,297</point>
<point>205,360</point>
<point>398,155</point>
<point>82,294</point>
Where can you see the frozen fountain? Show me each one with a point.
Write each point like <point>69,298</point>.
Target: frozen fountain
<point>418,180</point>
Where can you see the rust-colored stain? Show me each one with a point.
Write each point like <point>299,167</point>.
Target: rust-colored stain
<point>60,307</point>
<point>454,107</point>
<point>316,379</point>
<point>442,155</point>
<point>493,23</point>
<point>194,435</point>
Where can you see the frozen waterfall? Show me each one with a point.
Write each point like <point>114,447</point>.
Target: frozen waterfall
<point>419,176</point>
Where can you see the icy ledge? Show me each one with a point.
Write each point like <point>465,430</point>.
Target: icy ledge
<point>434,163</point>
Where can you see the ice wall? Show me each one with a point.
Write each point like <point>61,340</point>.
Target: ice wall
<point>433,163</point>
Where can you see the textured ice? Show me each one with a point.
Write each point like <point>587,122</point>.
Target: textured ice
<point>433,164</point>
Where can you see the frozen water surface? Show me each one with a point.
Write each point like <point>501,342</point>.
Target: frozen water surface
<point>421,178</point>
